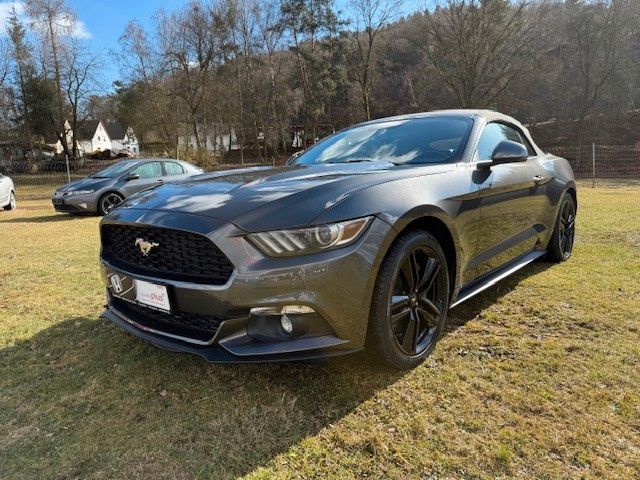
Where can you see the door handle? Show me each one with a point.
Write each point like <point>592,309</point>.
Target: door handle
<point>159,181</point>
<point>538,179</point>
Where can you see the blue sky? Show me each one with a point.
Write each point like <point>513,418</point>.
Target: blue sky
<point>102,22</point>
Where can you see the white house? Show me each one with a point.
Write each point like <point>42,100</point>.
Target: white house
<point>98,136</point>
<point>217,139</point>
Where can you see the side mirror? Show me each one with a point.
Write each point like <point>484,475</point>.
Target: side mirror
<point>508,152</point>
<point>293,157</point>
<point>133,176</point>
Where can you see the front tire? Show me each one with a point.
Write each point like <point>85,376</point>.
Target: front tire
<point>410,302</point>
<point>12,202</point>
<point>561,243</point>
<point>108,202</point>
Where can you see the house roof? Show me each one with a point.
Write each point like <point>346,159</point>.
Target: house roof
<point>115,130</point>
<point>86,130</point>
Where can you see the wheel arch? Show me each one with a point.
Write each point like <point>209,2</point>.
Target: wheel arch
<point>437,222</point>
<point>111,190</point>
<point>571,190</point>
<point>435,226</point>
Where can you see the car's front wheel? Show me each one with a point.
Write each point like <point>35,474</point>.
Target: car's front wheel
<point>108,202</point>
<point>410,302</point>
<point>561,243</point>
<point>12,202</point>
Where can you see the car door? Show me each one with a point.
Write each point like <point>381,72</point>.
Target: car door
<point>511,201</point>
<point>148,174</point>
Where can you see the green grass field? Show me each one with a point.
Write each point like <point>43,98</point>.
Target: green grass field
<point>538,377</point>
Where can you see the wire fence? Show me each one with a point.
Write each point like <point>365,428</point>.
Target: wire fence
<point>57,173</point>
<point>602,161</point>
<point>588,162</point>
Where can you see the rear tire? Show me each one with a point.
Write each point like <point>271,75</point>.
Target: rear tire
<point>561,244</point>
<point>108,202</point>
<point>410,302</point>
<point>12,202</point>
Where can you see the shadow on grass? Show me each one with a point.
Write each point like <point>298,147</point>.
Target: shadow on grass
<point>470,309</point>
<point>103,401</point>
<point>100,398</point>
<point>62,217</point>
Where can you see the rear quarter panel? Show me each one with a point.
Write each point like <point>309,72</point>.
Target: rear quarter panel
<point>562,180</point>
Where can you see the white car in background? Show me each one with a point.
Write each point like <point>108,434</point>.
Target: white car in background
<point>7,193</point>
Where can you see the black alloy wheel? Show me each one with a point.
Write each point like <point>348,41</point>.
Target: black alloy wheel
<point>562,240</point>
<point>415,307</point>
<point>567,228</point>
<point>410,302</point>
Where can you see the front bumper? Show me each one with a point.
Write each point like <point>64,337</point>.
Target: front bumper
<point>74,203</point>
<point>337,284</point>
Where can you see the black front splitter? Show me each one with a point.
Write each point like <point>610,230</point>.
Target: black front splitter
<point>215,353</point>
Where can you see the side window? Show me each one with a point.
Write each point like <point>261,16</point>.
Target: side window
<point>149,170</point>
<point>173,168</point>
<point>493,134</point>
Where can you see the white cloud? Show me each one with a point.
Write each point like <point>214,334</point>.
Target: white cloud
<point>75,28</point>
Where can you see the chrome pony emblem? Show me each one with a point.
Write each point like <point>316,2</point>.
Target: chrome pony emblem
<point>145,247</point>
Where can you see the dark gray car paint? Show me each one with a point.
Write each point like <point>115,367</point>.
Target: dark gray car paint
<point>493,215</point>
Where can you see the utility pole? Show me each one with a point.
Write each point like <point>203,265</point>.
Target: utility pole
<point>66,156</point>
<point>593,165</point>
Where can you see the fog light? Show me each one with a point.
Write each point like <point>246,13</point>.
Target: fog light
<point>286,324</point>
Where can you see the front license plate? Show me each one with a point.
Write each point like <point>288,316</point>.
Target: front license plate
<point>153,295</point>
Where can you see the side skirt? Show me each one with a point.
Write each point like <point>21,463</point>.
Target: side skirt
<point>494,277</point>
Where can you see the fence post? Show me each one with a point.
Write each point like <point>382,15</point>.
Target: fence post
<point>66,156</point>
<point>593,164</point>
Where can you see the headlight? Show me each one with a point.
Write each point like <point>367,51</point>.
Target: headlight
<point>79,192</point>
<point>286,243</point>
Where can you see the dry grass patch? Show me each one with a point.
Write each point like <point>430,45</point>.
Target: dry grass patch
<point>536,378</point>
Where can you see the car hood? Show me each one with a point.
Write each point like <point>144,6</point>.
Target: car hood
<point>84,184</point>
<point>263,198</point>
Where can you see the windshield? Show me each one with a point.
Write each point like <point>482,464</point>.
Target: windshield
<point>114,170</point>
<point>438,139</point>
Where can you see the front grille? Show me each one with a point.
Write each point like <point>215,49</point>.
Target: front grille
<point>64,207</point>
<point>178,255</point>
<point>184,324</point>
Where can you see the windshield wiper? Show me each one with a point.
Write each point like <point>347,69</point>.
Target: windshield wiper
<point>354,160</point>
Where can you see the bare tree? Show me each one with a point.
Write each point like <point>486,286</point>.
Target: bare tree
<point>596,35</point>
<point>271,46</point>
<point>478,47</point>
<point>370,18</point>
<point>147,87</point>
<point>191,41</point>
<point>54,21</point>
<point>4,60</point>
<point>79,82</point>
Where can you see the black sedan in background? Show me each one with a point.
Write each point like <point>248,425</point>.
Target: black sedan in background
<point>103,191</point>
<point>363,241</point>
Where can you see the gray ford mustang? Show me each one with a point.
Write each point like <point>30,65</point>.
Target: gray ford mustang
<point>365,240</point>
